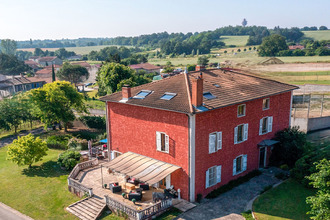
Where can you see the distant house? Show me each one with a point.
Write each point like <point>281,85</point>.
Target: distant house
<point>92,70</point>
<point>11,85</point>
<point>149,68</point>
<point>83,64</point>
<point>47,71</point>
<point>33,64</point>
<point>76,57</point>
<point>48,61</point>
<point>298,46</point>
<point>34,58</point>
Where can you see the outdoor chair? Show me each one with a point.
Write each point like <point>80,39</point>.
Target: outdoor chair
<point>135,195</point>
<point>115,189</point>
<point>144,186</point>
<point>133,181</point>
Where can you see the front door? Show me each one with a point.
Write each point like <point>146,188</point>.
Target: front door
<point>262,157</point>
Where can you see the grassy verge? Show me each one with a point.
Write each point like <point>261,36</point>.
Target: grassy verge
<point>287,201</point>
<point>169,215</point>
<point>40,192</point>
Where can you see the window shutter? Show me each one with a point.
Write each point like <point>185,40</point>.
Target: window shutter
<point>260,127</point>
<point>207,179</point>
<point>167,143</point>
<point>234,167</point>
<point>219,144</point>
<point>270,123</point>
<point>246,128</point>
<point>212,139</point>
<point>244,162</point>
<point>218,174</point>
<point>158,140</point>
<point>235,136</point>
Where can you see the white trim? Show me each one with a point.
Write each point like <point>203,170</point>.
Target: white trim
<point>239,116</point>
<point>269,125</point>
<point>290,108</point>
<point>245,134</point>
<point>242,164</point>
<point>159,142</point>
<point>192,132</point>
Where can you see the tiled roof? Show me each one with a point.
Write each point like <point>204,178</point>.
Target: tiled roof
<point>44,71</point>
<point>229,87</point>
<point>83,64</point>
<point>146,66</point>
<point>46,59</point>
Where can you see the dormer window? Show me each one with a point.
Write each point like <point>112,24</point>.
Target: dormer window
<point>208,95</point>
<point>142,94</point>
<point>168,96</point>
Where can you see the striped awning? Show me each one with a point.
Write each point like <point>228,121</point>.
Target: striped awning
<point>144,169</point>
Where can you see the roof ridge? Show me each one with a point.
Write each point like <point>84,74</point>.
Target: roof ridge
<point>188,92</point>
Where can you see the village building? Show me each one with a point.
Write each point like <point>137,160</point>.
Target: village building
<point>149,68</point>
<point>196,131</point>
<point>48,61</point>
<point>33,65</point>
<point>298,46</point>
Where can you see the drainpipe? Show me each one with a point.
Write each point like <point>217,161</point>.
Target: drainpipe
<point>192,156</point>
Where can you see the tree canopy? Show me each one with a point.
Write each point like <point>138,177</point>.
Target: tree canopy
<point>56,102</point>
<point>10,65</point>
<point>72,73</point>
<point>27,150</point>
<point>8,46</point>
<point>202,60</point>
<point>272,44</point>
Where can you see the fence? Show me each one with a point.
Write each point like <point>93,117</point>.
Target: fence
<point>146,213</point>
<point>75,186</point>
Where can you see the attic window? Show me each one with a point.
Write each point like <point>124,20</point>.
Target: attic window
<point>142,94</point>
<point>208,95</point>
<point>168,96</point>
<point>216,85</point>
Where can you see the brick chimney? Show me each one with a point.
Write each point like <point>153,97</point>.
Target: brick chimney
<point>200,68</point>
<point>197,91</point>
<point>126,92</point>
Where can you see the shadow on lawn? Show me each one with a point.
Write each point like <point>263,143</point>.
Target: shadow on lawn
<point>47,169</point>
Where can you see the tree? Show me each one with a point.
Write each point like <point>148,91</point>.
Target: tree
<point>322,28</point>
<point>72,73</point>
<point>38,52</point>
<point>202,60</point>
<point>53,74</point>
<point>109,75</point>
<point>55,102</point>
<point>239,50</point>
<point>244,22</point>
<point>8,46</point>
<point>272,44</point>
<point>11,113</point>
<point>10,65</point>
<point>320,203</point>
<point>26,150</point>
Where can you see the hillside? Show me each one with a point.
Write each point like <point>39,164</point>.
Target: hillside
<point>318,35</point>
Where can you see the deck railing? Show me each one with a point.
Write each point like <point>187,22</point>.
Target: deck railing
<point>138,214</point>
<point>72,183</point>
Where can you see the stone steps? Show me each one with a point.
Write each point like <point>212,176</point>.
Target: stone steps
<point>87,209</point>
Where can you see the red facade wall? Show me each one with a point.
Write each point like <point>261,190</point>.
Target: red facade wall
<point>133,128</point>
<point>225,120</point>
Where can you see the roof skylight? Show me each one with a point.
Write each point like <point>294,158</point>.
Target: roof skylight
<point>142,94</point>
<point>168,96</point>
<point>216,85</point>
<point>208,95</point>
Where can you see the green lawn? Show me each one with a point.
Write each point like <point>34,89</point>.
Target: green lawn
<point>318,35</point>
<point>287,201</point>
<point>40,192</point>
<point>235,40</point>
<point>24,126</point>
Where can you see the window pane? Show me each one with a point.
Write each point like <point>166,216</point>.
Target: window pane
<point>264,125</point>
<point>241,110</point>
<point>163,148</point>
<point>208,95</point>
<point>238,164</point>
<point>265,104</point>
<point>212,176</point>
<point>240,133</point>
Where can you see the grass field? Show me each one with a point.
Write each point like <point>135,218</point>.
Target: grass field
<point>318,35</point>
<point>40,192</point>
<point>235,40</point>
<point>287,201</point>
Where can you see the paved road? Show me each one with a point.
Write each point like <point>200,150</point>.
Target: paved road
<point>231,204</point>
<point>7,213</point>
<point>9,140</point>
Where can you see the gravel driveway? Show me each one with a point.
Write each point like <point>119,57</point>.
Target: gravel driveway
<point>231,204</point>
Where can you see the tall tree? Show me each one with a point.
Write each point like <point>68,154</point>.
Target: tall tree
<point>244,22</point>
<point>8,46</point>
<point>271,45</point>
<point>10,65</point>
<point>53,74</point>
<point>56,102</point>
<point>72,73</point>
<point>11,113</point>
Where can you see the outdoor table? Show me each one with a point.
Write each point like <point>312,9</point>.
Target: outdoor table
<point>130,186</point>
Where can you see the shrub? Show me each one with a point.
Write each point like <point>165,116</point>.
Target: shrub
<point>222,189</point>
<point>284,167</point>
<point>94,122</point>
<point>58,141</point>
<point>77,144</point>
<point>281,176</point>
<point>69,159</point>
<point>83,134</point>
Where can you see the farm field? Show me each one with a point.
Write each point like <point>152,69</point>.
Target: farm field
<point>235,40</point>
<point>318,35</point>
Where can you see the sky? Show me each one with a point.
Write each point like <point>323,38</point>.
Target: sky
<point>57,19</point>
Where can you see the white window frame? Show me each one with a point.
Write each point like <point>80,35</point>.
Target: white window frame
<point>243,164</point>
<point>269,125</point>
<point>268,104</point>
<point>159,142</point>
<point>217,143</point>
<point>217,176</point>
<point>244,112</point>
<point>244,135</point>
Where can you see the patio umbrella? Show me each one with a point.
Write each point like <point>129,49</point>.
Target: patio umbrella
<point>105,141</point>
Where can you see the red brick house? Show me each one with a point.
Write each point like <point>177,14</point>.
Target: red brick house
<point>215,125</point>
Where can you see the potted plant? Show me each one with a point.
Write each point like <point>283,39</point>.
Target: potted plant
<point>123,194</point>
<point>134,201</point>
<point>105,185</point>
